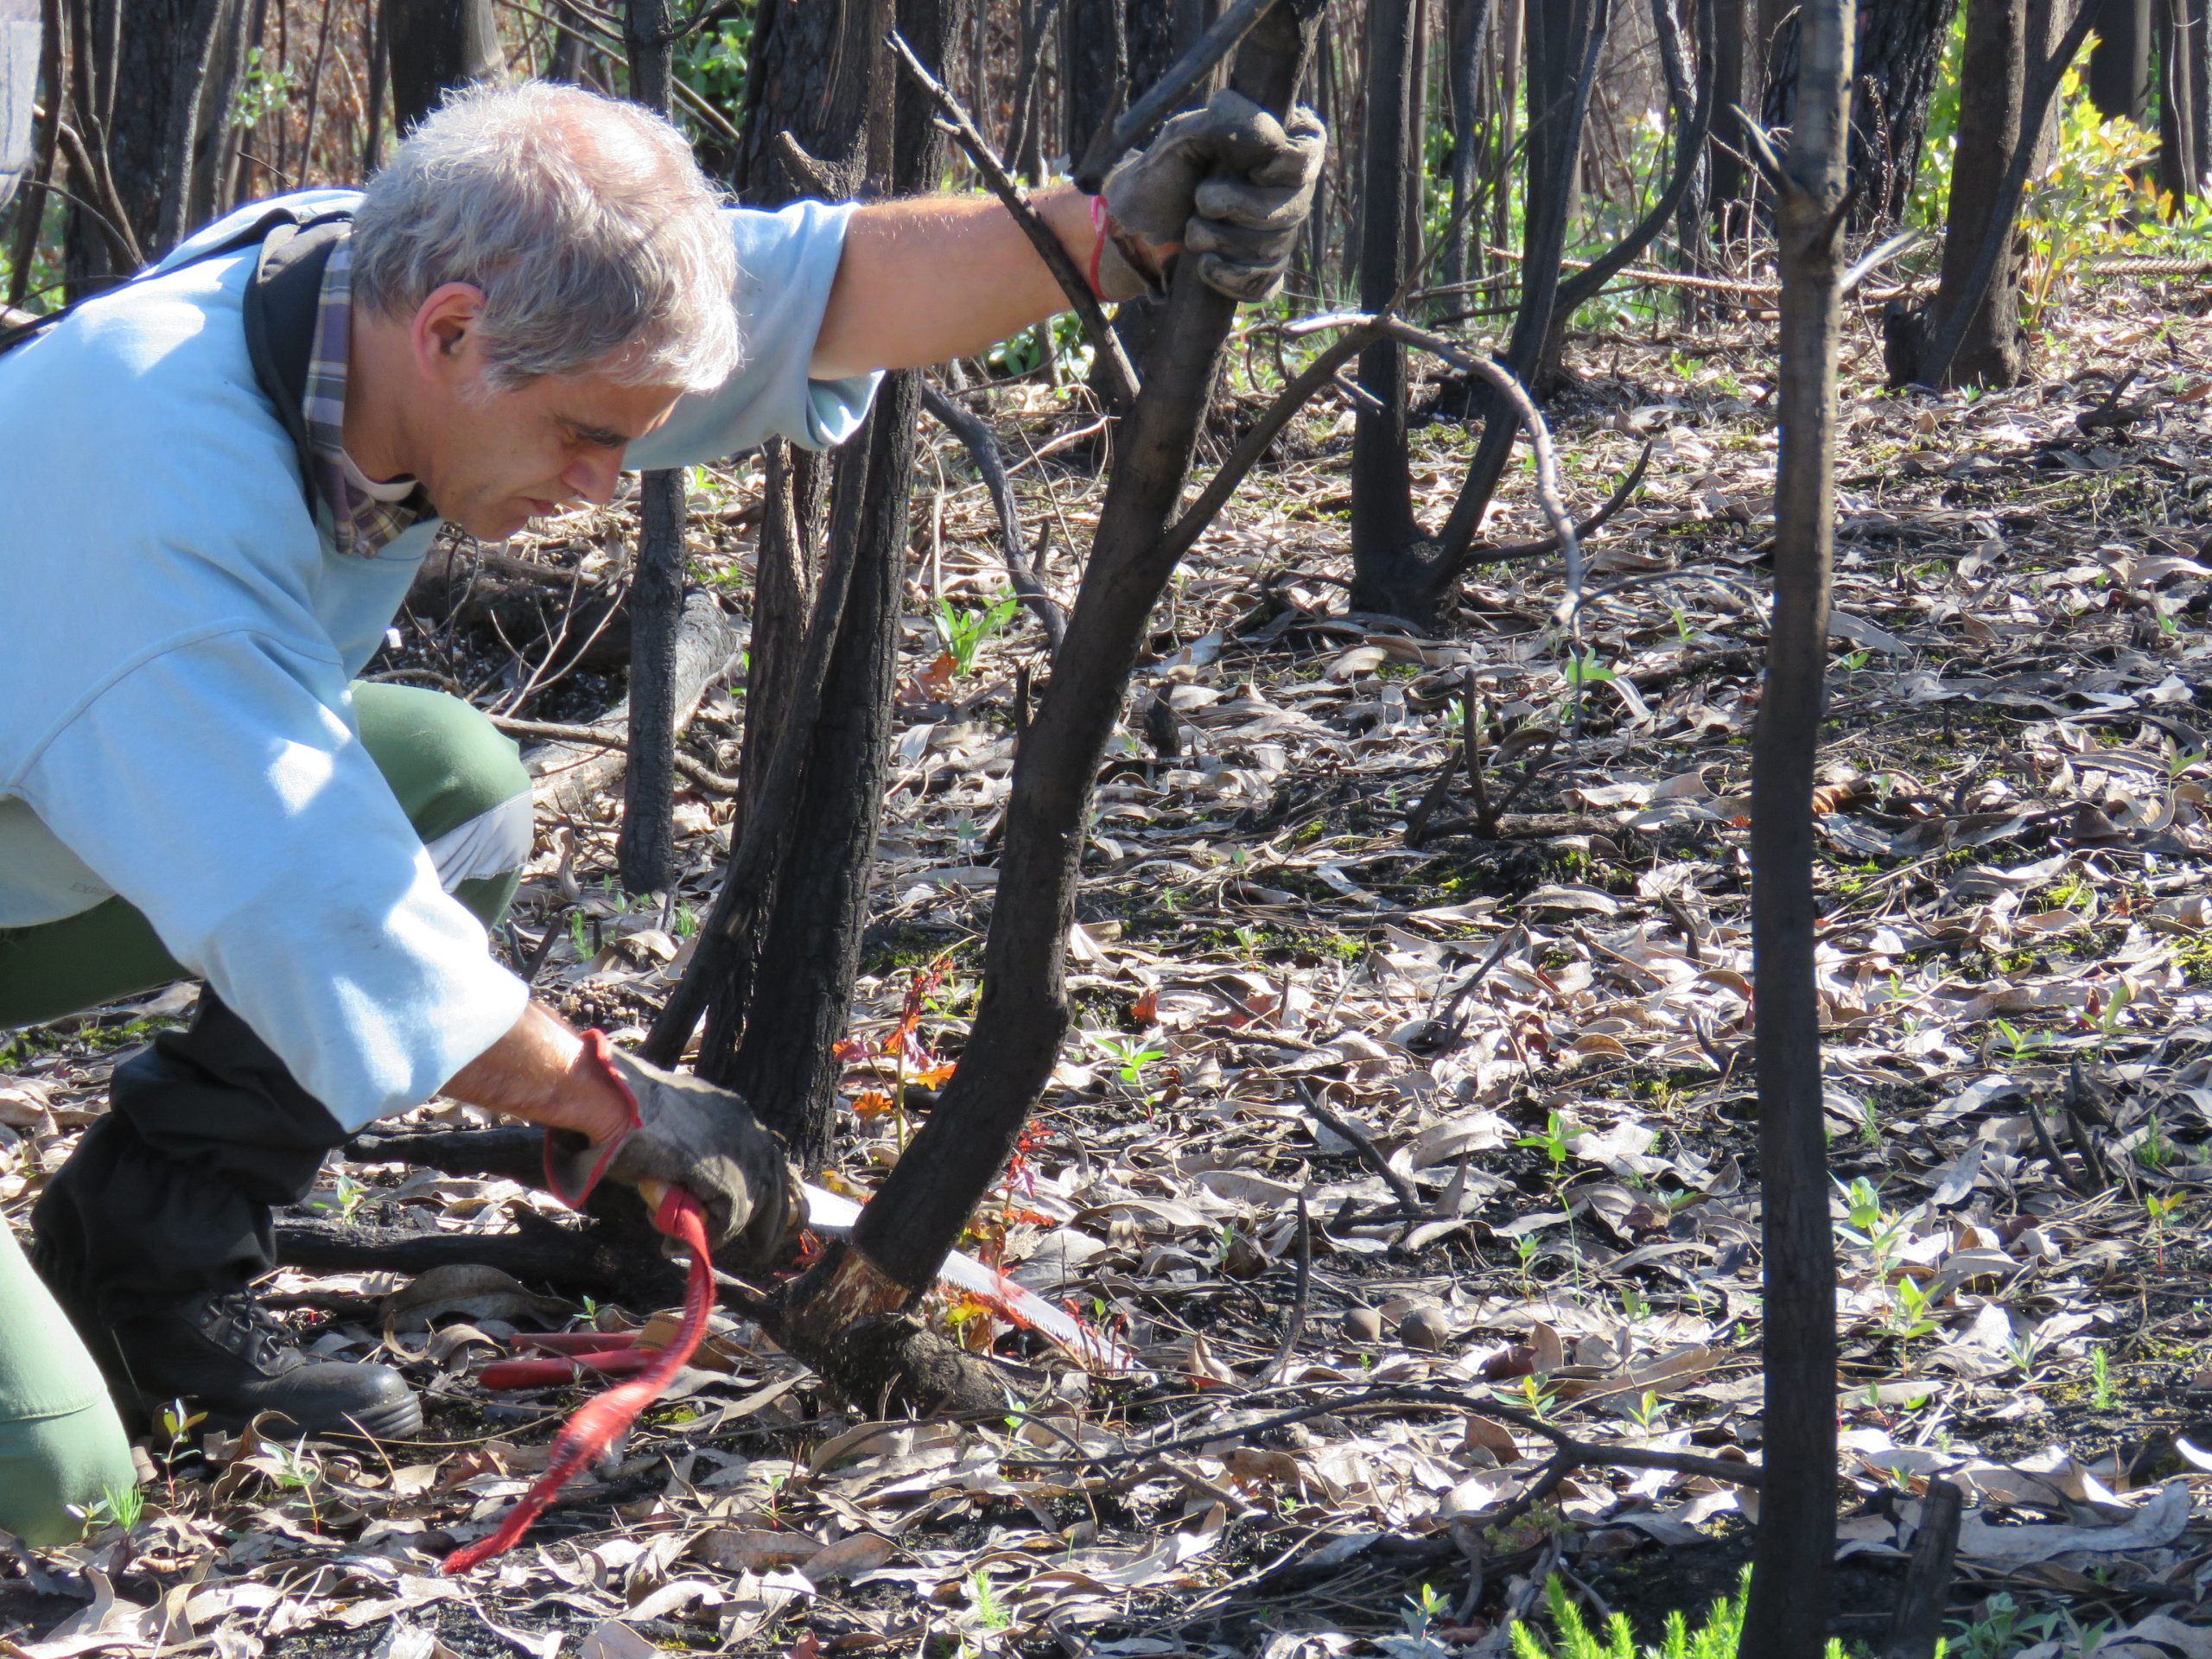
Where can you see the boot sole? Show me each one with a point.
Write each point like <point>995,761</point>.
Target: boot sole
<point>399,1419</point>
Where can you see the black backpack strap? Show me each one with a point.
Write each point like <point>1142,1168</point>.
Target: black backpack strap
<point>280,305</point>
<point>246,237</point>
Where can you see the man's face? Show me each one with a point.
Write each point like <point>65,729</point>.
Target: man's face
<point>499,459</point>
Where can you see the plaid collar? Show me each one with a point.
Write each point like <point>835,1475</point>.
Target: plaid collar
<point>361,524</point>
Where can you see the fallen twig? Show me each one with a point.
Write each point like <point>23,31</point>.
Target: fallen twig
<point>553,731</point>
<point>1296,1327</point>
<point>1406,1194</point>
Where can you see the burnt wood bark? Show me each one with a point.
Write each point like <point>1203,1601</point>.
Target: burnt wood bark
<point>2184,57</point>
<point>1689,97</point>
<point>906,1230</point>
<point>143,73</point>
<point>1793,1564</point>
<point>1150,27</point>
<point>1466,33</point>
<point>814,69</point>
<point>1728,182</point>
<point>1970,333</point>
<point>772,1037</point>
<point>1383,529</point>
<point>1094,49</point>
<point>1991,83</point>
<point>45,134</point>
<point>783,1063</point>
<point>1899,55</point>
<point>1917,1630</point>
<point>1395,571</point>
<point>813,74</point>
<point>2118,77</point>
<point>434,46</point>
<point>645,853</point>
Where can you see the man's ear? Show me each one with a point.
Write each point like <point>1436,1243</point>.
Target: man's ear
<point>444,330</point>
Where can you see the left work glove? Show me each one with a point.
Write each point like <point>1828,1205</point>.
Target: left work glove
<point>685,1132</point>
<point>1227,182</point>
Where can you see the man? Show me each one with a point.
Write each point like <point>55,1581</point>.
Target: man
<point>539,291</point>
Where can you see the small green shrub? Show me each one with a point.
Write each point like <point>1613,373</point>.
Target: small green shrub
<point>1716,1638</point>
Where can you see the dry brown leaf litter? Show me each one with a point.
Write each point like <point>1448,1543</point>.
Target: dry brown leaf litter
<point>1546,1038</point>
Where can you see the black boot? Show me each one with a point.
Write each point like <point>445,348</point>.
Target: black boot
<point>226,1355</point>
<point>151,1232</point>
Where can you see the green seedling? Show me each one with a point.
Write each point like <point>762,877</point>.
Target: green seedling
<point>1719,1636</point>
<point>2103,1396</point>
<point>1909,1312</point>
<point>990,1612</point>
<point>1556,1142</point>
<point>963,632</point>
<point>2020,1044</point>
<point>2160,1212</point>
<point>115,1506</point>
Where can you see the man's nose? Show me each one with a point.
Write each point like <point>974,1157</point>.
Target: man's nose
<point>594,477</point>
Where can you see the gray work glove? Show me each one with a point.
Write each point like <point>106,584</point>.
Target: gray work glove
<point>1227,182</point>
<point>688,1134</point>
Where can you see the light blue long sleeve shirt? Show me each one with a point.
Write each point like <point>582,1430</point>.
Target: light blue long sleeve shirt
<point>175,726</point>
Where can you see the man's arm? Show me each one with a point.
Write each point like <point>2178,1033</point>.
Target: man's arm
<point>540,1073</point>
<point>923,282</point>
<point>936,277</point>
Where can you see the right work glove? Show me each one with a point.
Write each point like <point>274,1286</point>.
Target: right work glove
<point>1227,182</point>
<point>685,1132</point>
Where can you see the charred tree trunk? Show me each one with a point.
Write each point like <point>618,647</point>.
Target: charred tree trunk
<point>812,75</point>
<point>434,46</point>
<point>1899,53</point>
<point>1728,182</point>
<point>816,72</point>
<point>1383,530</point>
<point>1793,1566</point>
<point>646,854</point>
<point>1095,52</point>
<point>785,1065</point>
<point>1466,32</point>
<point>2182,67</point>
<point>1415,578</point>
<point>2119,74</point>
<point>1689,98</point>
<point>1396,570</point>
<point>1992,82</point>
<point>1971,334</point>
<point>145,74</point>
<point>566,60</point>
<point>906,1231</point>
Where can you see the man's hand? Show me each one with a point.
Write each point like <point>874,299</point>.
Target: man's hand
<point>932,278</point>
<point>1227,182</point>
<point>685,1132</point>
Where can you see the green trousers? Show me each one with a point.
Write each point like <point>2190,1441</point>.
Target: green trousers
<point>464,789</point>
<point>61,1441</point>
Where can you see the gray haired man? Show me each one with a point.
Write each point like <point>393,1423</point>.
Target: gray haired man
<point>539,291</point>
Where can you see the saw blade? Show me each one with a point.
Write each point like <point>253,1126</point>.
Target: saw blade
<point>834,1214</point>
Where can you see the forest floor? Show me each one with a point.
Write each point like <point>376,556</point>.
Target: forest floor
<point>1545,1034</point>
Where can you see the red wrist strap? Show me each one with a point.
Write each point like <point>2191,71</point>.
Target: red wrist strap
<point>584,1439</point>
<point>1097,244</point>
<point>601,1053</point>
